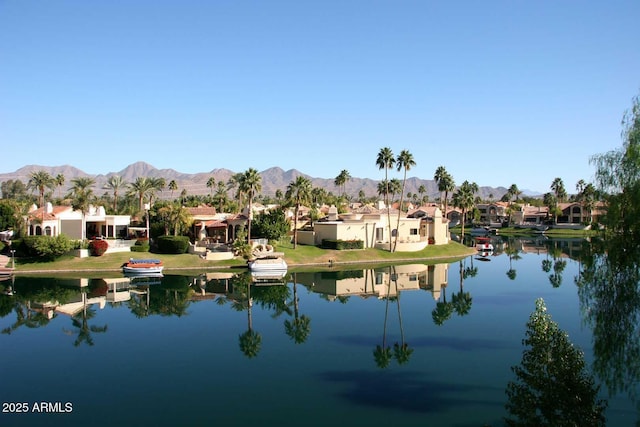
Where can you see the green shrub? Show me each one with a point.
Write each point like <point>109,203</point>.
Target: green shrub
<point>47,247</point>
<point>172,244</point>
<point>139,248</point>
<point>98,247</point>
<point>342,244</point>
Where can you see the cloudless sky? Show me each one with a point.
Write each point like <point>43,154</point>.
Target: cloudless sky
<point>498,92</point>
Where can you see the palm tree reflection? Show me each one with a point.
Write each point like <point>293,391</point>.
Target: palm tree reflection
<point>298,329</point>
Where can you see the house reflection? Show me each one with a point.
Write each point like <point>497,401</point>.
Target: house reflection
<point>375,282</point>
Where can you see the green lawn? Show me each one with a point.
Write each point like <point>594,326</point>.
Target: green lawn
<point>301,256</point>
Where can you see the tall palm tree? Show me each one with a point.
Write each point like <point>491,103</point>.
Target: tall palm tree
<point>298,192</point>
<point>173,186</point>
<point>250,184</point>
<point>221,195</point>
<point>40,181</point>
<point>462,300</point>
<point>157,184</point>
<point>341,180</point>
<point>464,198</point>
<point>557,186</point>
<point>445,183</point>
<point>141,188</point>
<point>234,184</point>
<point>59,182</point>
<point>386,161</point>
<point>115,183</point>
<point>514,191</point>
<point>405,162</point>
<point>82,196</point>
<point>382,353</point>
<point>211,182</point>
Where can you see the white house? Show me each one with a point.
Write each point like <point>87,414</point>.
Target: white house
<point>371,226</point>
<point>55,220</point>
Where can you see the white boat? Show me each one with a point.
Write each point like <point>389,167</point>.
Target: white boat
<point>149,266</point>
<point>483,244</point>
<point>267,264</point>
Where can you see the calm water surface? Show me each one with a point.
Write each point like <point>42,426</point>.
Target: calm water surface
<point>191,350</point>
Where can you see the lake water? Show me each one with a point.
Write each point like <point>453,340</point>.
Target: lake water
<point>187,350</point>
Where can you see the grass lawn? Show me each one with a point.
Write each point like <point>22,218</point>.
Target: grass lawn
<point>300,257</point>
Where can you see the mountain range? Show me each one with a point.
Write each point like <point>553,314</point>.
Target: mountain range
<point>272,179</point>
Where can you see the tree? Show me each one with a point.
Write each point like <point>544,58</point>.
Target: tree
<point>298,192</point>
<point>13,189</point>
<point>552,386</point>
<point>173,186</point>
<point>59,182</point>
<point>341,180</point>
<point>211,182</point>
<point>618,176</point>
<point>82,196</point>
<point>405,162</point>
<point>557,186</point>
<point>464,198</point>
<point>174,214</point>
<point>141,188</point>
<point>40,181</point>
<point>514,192</point>
<point>445,184</point>
<point>386,161</point>
<point>221,195</point>
<point>250,184</point>
<point>115,183</point>
<point>272,225</point>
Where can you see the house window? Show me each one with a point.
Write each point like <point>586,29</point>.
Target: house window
<point>47,231</point>
<point>379,233</point>
<point>379,278</point>
<point>413,231</point>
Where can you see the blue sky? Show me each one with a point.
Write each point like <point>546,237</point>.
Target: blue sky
<point>498,92</point>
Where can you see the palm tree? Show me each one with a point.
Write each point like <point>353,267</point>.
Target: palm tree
<point>445,184</point>
<point>514,192</point>
<point>298,192</point>
<point>175,214</point>
<point>157,184</point>
<point>386,161</point>
<point>82,196</point>
<point>173,186</point>
<point>443,310</point>
<point>59,182</point>
<point>141,188</point>
<point>234,184</point>
<point>250,184</point>
<point>342,179</point>
<point>211,182</point>
<point>557,186</point>
<point>221,195</point>
<point>115,183</point>
<point>464,198</point>
<point>40,181</point>
<point>403,161</point>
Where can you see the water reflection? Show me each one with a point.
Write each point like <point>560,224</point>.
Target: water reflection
<point>610,304</point>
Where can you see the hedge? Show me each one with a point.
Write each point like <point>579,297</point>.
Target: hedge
<point>342,244</point>
<point>172,244</point>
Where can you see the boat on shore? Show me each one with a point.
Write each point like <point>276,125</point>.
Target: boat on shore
<point>146,267</point>
<point>269,263</point>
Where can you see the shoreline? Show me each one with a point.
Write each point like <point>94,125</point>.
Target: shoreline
<point>331,263</point>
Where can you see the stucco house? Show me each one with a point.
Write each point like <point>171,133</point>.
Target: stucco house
<point>52,220</point>
<point>370,225</point>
